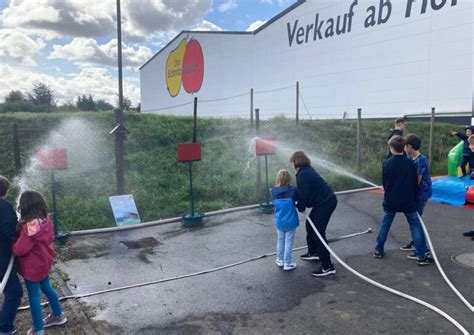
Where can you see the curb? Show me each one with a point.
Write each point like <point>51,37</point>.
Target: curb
<point>83,320</point>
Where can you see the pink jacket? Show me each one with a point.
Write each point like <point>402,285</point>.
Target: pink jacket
<point>34,249</point>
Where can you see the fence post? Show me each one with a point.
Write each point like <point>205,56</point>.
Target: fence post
<point>16,148</point>
<point>195,119</point>
<point>251,108</point>
<point>259,163</point>
<point>297,102</point>
<point>430,149</point>
<point>359,139</point>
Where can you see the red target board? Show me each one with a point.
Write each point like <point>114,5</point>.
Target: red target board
<point>265,146</point>
<point>189,152</point>
<point>51,159</point>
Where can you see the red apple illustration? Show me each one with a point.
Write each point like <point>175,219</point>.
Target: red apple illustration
<point>193,67</point>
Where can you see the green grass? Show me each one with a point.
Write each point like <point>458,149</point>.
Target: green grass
<point>225,177</point>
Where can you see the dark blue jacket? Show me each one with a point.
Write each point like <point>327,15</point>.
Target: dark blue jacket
<point>466,151</point>
<point>286,217</point>
<point>400,182</point>
<point>8,233</point>
<point>312,188</point>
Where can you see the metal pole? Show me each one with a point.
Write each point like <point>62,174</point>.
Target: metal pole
<point>251,108</point>
<point>191,187</point>
<point>259,163</point>
<point>297,102</point>
<point>16,148</point>
<point>430,149</point>
<point>119,136</point>
<point>266,174</point>
<point>195,119</point>
<point>359,141</point>
<point>53,195</point>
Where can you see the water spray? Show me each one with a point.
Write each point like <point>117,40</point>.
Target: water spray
<point>383,287</point>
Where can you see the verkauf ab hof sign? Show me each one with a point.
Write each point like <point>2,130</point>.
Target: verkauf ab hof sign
<point>326,28</point>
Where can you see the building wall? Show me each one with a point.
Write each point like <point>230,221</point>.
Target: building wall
<point>406,65</point>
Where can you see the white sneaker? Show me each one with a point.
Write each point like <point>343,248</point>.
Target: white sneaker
<point>279,263</point>
<point>289,266</point>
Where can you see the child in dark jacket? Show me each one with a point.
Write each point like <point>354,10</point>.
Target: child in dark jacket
<point>286,218</point>
<point>400,184</point>
<point>313,192</point>
<point>12,292</point>
<point>35,251</point>
<point>466,152</point>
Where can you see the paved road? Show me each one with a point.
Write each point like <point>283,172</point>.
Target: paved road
<point>258,297</point>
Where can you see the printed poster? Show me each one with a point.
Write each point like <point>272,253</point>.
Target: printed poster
<point>124,209</point>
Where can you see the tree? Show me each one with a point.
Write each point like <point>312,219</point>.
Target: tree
<point>42,98</point>
<point>15,101</point>
<point>103,105</point>
<point>85,103</point>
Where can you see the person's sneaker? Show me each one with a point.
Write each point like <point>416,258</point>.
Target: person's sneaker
<point>321,272</point>
<point>51,321</point>
<point>309,257</point>
<point>468,233</point>
<point>408,247</point>
<point>279,263</point>
<point>414,256</point>
<point>32,332</point>
<point>425,260</point>
<point>378,254</point>
<point>289,266</point>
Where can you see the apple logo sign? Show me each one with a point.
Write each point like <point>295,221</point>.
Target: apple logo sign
<point>185,65</point>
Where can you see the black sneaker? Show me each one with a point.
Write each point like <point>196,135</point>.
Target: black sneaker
<point>469,233</point>
<point>425,260</point>
<point>309,257</point>
<point>414,256</point>
<point>378,254</point>
<point>408,247</point>
<point>321,272</point>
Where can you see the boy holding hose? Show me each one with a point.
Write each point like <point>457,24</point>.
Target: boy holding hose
<point>12,292</point>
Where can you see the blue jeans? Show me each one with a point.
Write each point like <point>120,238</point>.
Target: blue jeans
<point>415,228</point>
<point>285,245</point>
<point>420,206</point>
<point>12,300</point>
<point>35,302</point>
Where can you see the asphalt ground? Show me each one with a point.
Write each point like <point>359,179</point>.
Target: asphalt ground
<point>259,298</point>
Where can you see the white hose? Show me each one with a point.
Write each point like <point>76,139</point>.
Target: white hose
<point>7,274</point>
<point>446,279</point>
<point>386,288</point>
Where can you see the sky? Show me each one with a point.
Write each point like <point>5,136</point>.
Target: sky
<point>71,45</point>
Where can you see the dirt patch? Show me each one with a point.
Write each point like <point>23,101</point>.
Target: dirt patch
<point>84,250</point>
<point>146,242</point>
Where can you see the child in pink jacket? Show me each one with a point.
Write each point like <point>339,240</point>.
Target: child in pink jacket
<point>35,254</point>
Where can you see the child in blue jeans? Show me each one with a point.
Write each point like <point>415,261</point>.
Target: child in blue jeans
<point>286,219</point>
<point>35,254</point>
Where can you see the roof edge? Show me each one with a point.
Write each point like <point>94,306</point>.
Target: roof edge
<point>278,16</point>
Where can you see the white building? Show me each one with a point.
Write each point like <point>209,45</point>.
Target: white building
<point>390,58</point>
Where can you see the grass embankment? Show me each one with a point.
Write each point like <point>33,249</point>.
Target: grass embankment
<point>225,177</point>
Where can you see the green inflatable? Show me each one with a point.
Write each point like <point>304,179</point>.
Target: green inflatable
<point>454,159</point>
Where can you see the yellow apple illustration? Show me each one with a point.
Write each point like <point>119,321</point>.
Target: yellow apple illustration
<point>174,68</point>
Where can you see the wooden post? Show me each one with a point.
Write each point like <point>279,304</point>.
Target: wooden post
<point>430,148</point>
<point>359,139</point>
<point>251,108</point>
<point>195,119</point>
<point>259,163</point>
<point>119,120</point>
<point>16,148</point>
<point>297,102</point>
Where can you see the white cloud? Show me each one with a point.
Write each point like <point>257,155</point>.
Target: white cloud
<point>92,18</point>
<point>96,81</point>
<point>18,47</point>
<point>271,2</point>
<point>87,51</point>
<point>226,6</point>
<point>207,26</point>
<point>255,25</point>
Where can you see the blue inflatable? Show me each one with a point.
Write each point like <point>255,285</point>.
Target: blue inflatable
<point>451,190</point>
